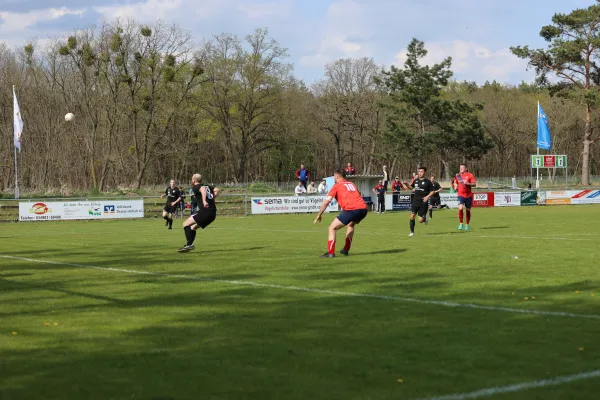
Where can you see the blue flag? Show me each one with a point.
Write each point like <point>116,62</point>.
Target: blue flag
<point>544,141</point>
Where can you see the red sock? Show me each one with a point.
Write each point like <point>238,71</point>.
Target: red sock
<point>331,246</point>
<point>460,216</point>
<point>468,216</point>
<point>348,244</point>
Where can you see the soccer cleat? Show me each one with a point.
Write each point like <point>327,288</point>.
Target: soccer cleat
<point>467,228</point>
<point>460,226</point>
<point>186,248</point>
<point>328,255</point>
<point>344,252</point>
<point>411,234</point>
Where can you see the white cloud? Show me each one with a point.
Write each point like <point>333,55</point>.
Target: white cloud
<point>172,10</point>
<point>272,9</point>
<point>342,31</point>
<point>12,22</point>
<point>473,60</point>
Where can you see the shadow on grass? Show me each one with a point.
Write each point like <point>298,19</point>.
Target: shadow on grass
<point>389,251</point>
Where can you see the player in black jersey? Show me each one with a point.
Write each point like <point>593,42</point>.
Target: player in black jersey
<point>206,213</point>
<point>173,198</point>
<point>434,200</point>
<point>423,191</point>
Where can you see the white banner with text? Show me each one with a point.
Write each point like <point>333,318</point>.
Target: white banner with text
<point>290,204</point>
<point>70,210</point>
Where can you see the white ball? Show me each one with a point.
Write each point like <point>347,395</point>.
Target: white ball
<point>69,117</point>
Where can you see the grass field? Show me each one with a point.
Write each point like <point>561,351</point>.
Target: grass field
<point>110,310</point>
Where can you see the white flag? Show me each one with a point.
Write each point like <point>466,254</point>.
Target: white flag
<point>18,122</point>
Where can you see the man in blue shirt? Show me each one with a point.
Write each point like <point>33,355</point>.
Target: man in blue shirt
<point>303,174</point>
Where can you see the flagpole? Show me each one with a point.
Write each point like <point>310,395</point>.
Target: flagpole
<point>537,179</point>
<point>16,175</point>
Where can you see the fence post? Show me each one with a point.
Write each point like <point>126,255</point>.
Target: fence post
<point>246,205</point>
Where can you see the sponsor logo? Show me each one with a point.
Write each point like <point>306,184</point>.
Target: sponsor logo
<point>257,201</point>
<point>94,210</point>
<point>39,209</point>
<point>481,196</point>
<point>109,209</point>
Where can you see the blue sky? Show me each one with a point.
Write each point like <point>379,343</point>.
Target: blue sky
<point>476,33</point>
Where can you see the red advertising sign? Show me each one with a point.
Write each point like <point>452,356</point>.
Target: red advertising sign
<point>485,199</point>
<point>549,161</point>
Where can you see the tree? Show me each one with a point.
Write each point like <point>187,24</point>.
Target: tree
<point>572,55</point>
<point>245,88</point>
<point>422,121</point>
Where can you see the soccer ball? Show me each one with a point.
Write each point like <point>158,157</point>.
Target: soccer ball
<point>69,117</point>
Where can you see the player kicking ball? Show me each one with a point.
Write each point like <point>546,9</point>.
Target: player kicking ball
<point>206,214</point>
<point>354,210</point>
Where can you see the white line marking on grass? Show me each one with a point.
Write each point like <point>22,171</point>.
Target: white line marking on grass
<point>517,387</point>
<point>314,290</point>
<point>474,236</point>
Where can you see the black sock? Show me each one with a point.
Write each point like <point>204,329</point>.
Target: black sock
<point>188,234</point>
<point>192,236</point>
<point>412,226</point>
<point>431,213</point>
<point>166,217</point>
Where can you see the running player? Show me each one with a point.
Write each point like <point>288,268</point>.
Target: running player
<point>354,210</point>
<point>463,183</point>
<point>434,200</point>
<point>204,216</point>
<point>423,191</point>
<point>173,198</point>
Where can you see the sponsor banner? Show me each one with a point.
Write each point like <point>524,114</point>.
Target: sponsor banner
<point>449,199</point>
<point>541,200</point>
<point>507,199</point>
<point>290,204</point>
<point>71,210</point>
<point>483,199</point>
<point>398,201</point>
<point>559,194</point>
<point>554,202</point>
<point>586,197</point>
<point>528,198</point>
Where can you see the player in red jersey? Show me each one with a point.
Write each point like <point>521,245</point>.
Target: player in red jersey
<point>463,183</point>
<point>354,210</point>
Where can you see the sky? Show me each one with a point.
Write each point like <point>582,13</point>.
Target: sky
<point>477,34</point>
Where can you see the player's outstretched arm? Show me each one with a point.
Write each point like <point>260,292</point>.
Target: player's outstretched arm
<point>322,210</point>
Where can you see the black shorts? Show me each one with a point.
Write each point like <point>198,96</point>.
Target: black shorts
<point>355,216</point>
<point>419,208</point>
<point>169,208</point>
<point>435,201</point>
<point>205,217</point>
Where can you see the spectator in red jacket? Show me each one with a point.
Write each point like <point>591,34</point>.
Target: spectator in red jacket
<point>397,185</point>
<point>350,170</point>
<point>302,174</point>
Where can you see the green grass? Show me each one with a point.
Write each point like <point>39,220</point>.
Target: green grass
<point>85,333</point>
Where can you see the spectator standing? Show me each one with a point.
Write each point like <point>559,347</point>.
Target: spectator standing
<point>397,185</point>
<point>350,170</point>
<point>312,189</point>
<point>302,174</point>
<point>380,191</point>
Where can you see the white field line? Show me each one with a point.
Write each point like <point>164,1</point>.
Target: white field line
<point>320,291</point>
<point>517,387</point>
<point>425,234</point>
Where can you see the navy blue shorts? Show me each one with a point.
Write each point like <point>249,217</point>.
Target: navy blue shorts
<point>467,201</point>
<point>355,216</point>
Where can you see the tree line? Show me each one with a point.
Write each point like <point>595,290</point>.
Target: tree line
<point>151,104</point>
